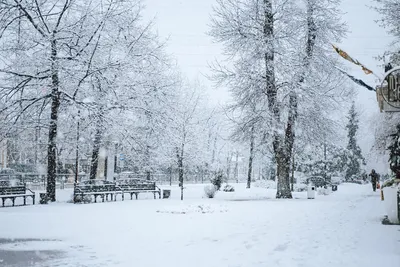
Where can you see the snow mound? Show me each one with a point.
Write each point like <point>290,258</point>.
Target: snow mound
<point>267,184</point>
<point>186,209</point>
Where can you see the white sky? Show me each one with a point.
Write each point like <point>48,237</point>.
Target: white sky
<point>186,23</point>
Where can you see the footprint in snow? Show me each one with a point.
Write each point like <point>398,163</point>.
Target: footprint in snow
<point>281,247</point>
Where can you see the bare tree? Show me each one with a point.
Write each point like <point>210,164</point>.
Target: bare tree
<point>271,61</point>
<point>59,56</point>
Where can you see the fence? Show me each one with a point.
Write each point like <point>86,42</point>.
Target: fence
<point>35,181</point>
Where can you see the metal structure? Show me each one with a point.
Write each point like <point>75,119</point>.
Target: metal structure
<point>388,93</point>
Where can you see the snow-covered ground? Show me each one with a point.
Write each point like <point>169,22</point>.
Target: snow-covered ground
<point>246,228</point>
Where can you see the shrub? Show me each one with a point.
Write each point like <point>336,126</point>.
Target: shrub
<point>210,191</point>
<point>79,199</point>
<point>217,180</point>
<point>229,188</point>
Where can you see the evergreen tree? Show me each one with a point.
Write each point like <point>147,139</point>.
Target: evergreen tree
<point>394,151</point>
<point>354,156</point>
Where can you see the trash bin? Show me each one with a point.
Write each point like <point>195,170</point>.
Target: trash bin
<point>391,204</point>
<point>44,199</point>
<point>166,193</point>
<point>311,191</point>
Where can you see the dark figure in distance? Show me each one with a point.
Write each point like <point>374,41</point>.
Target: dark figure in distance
<point>374,179</point>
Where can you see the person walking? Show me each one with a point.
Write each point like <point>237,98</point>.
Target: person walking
<point>374,179</point>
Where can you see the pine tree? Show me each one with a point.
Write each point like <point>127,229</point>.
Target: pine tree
<point>354,156</point>
<point>394,151</point>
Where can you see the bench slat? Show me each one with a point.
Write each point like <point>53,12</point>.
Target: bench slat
<point>13,190</point>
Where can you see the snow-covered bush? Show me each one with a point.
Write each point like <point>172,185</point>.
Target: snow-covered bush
<point>79,199</point>
<point>217,180</point>
<point>300,187</point>
<point>324,191</point>
<point>228,188</point>
<point>210,191</point>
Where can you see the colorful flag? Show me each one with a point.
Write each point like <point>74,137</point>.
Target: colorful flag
<point>344,55</point>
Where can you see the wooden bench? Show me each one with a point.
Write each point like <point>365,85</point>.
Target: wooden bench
<point>97,188</point>
<point>12,191</point>
<point>320,181</point>
<point>137,186</point>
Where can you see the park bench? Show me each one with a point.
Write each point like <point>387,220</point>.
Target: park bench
<point>97,188</point>
<point>137,186</point>
<point>13,190</point>
<point>319,181</point>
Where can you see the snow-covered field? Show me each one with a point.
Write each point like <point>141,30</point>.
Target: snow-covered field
<point>245,228</point>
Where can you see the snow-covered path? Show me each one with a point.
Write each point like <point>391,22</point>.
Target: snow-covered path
<point>240,229</point>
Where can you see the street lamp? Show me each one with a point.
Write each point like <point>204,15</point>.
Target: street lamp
<point>77,151</point>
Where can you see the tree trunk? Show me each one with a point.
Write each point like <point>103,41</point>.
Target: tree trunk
<point>228,166</point>
<point>170,176</point>
<point>283,190</point>
<point>94,163</point>
<point>250,158</point>
<point>236,174</point>
<point>325,169</point>
<point>280,147</point>
<point>52,143</point>
<point>180,169</point>
<point>213,151</point>
<point>286,151</point>
<point>292,179</point>
<point>148,164</point>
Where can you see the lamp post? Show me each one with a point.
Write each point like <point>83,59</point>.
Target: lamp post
<point>77,152</point>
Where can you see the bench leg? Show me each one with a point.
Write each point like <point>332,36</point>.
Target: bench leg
<point>122,195</point>
<point>13,201</point>
<point>154,195</point>
<point>24,201</point>
<point>136,194</point>
<point>33,200</point>
<point>107,197</point>
<point>95,198</point>
<point>102,198</point>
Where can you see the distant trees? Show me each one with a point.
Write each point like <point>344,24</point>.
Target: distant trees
<point>100,58</point>
<point>51,45</point>
<point>191,132</point>
<point>354,156</point>
<point>326,160</point>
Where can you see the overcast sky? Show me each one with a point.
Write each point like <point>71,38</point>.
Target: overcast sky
<point>185,24</point>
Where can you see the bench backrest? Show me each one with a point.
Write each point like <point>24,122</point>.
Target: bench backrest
<point>96,188</point>
<point>317,181</point>
<point>136,184</point>
<point>12,190</point>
